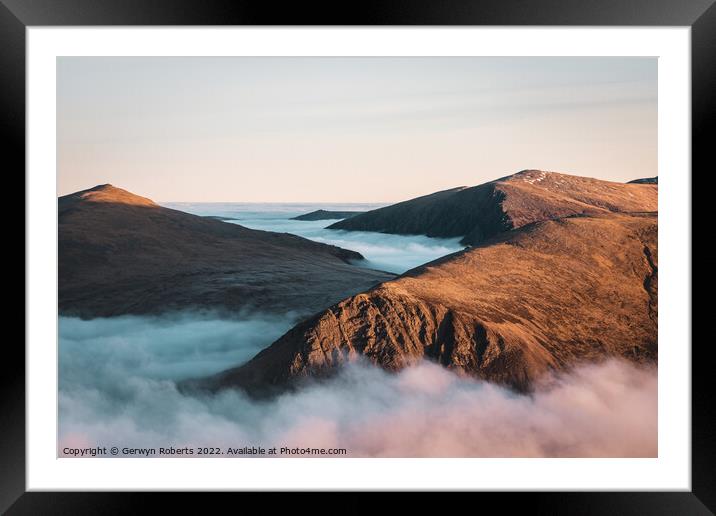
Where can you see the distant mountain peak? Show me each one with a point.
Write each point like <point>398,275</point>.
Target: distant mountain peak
<point>535,176</point>
<point>532,171</point>
<point>479,212</point>
<point>107,193</point>
<point>120,253</point>
<point>646,181</point>
<point>327,215</point>
<point>531,175</point>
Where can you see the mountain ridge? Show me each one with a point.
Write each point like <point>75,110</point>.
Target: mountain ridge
<point>120,253</point>
<point>326,215</point>
<point>541,298</point>
<point>105,193</point>
<point>479,212</point>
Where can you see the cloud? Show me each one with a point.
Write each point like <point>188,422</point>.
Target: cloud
<point>171,347</point>
<point>117,389</point>
<point>392,253</point>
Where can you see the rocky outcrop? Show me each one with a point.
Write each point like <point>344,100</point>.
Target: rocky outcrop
<point>120,253</point>
<point>480,212</point>
<point>542,298</point>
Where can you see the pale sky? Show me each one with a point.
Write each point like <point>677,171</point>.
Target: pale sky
<point>347,129</point>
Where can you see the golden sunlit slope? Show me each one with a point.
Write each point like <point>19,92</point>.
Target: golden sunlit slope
<point>533,300</point>
<point>479,212</point>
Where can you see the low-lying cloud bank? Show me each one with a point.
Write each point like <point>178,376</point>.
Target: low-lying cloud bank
<point>103,353</point>
<point>382,251</point>
<point>117,389</point>
<point>392,253</point>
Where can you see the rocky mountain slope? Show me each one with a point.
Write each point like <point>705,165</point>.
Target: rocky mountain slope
<point>479,212</point>
<point>532,300</point>
<point>120,253</point>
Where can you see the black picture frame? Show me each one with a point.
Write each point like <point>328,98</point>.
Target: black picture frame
<point>700,15</point>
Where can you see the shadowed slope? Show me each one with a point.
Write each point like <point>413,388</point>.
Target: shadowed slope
<point>541,298</point>
<point>514,201</point>
<point>120,253</point>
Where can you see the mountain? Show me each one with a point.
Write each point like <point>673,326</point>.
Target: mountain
<point>479,212</point>
<point>120,253</point>
<point>645,181</point>
<point>540,298</point>
<point>327,215</point>
<point>217,217</point>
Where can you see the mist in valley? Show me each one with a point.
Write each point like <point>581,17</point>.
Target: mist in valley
<point>117,382</point>
<point>392,253</point>
<point>117,388</point>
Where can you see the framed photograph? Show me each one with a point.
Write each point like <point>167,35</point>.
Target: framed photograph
<point>414,249</point>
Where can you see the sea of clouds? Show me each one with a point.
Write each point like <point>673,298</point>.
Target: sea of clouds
<point>117,388</point>
<point>117,382</point>
<point>392,253</point>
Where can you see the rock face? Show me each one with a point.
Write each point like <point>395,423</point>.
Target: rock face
<point>120,253</point>
<point>645,181</point>
<point>511,202</point>
<point>537,299</point>
<point>327,215</point>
